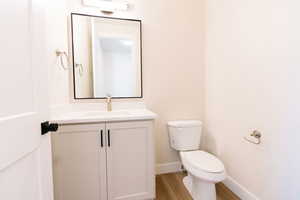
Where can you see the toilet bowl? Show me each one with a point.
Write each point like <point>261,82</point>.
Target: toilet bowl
<point>204,169</point>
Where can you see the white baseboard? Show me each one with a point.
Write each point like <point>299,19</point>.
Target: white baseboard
<point>233,185</point>
<point>239,190</point>
<point>164,168</point>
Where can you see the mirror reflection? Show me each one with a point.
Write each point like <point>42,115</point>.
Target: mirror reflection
<point>106,57</point>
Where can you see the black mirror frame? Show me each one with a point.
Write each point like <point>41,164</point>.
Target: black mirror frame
<point>73,57</point>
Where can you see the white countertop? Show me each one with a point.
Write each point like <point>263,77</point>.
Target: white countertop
<point>102,116</point>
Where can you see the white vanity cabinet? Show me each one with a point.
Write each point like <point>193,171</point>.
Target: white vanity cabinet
<point>104,161</point>
<point>79,162</point>
<point>130,161</point>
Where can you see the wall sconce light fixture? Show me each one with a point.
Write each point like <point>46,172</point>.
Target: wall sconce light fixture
<point>107,6</point>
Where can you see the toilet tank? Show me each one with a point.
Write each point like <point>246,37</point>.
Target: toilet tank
<point>185,135</point>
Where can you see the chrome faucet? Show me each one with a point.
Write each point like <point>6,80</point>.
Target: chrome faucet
<point>108,103</point>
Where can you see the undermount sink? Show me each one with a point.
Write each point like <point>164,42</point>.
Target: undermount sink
<point>103,113</point>
<point>103,116</point>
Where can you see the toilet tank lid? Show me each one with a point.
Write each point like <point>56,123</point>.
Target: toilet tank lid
<point>185,123</point>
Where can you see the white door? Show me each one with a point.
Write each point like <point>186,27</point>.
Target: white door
<point>130,161</point>
<point>25,164</point>
<point>79,153</point>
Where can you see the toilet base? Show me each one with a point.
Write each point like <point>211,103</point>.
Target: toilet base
<point>199,189</point>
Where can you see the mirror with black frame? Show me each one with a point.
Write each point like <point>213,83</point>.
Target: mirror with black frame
<point>107,57</point>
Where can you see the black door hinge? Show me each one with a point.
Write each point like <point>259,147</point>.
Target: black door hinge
<point>47,127</point>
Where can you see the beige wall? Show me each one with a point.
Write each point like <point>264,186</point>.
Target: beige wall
<point>172,61</point>
<point>57,38</point>
<point>173,64</point>
<point>252,82</point>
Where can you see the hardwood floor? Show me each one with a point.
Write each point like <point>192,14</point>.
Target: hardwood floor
<point>170,187</point>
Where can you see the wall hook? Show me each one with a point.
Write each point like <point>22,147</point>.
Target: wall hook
<point>257,135</point>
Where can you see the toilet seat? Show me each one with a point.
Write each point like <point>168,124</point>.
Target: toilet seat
<point>203,161</point>
<point>203,165</point>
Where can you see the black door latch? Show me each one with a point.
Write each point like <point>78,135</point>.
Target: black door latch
<point>47,127</point>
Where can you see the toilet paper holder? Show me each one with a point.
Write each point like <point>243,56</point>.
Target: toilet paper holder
<point>257,135</point>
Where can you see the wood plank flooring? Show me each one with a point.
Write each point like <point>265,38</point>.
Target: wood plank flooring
<point>170,187</point>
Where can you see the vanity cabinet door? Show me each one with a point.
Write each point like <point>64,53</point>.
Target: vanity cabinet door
<point>130,161</point>
<point>79,162</point>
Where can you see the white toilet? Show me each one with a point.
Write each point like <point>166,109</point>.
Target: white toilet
<point>204,169</point>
